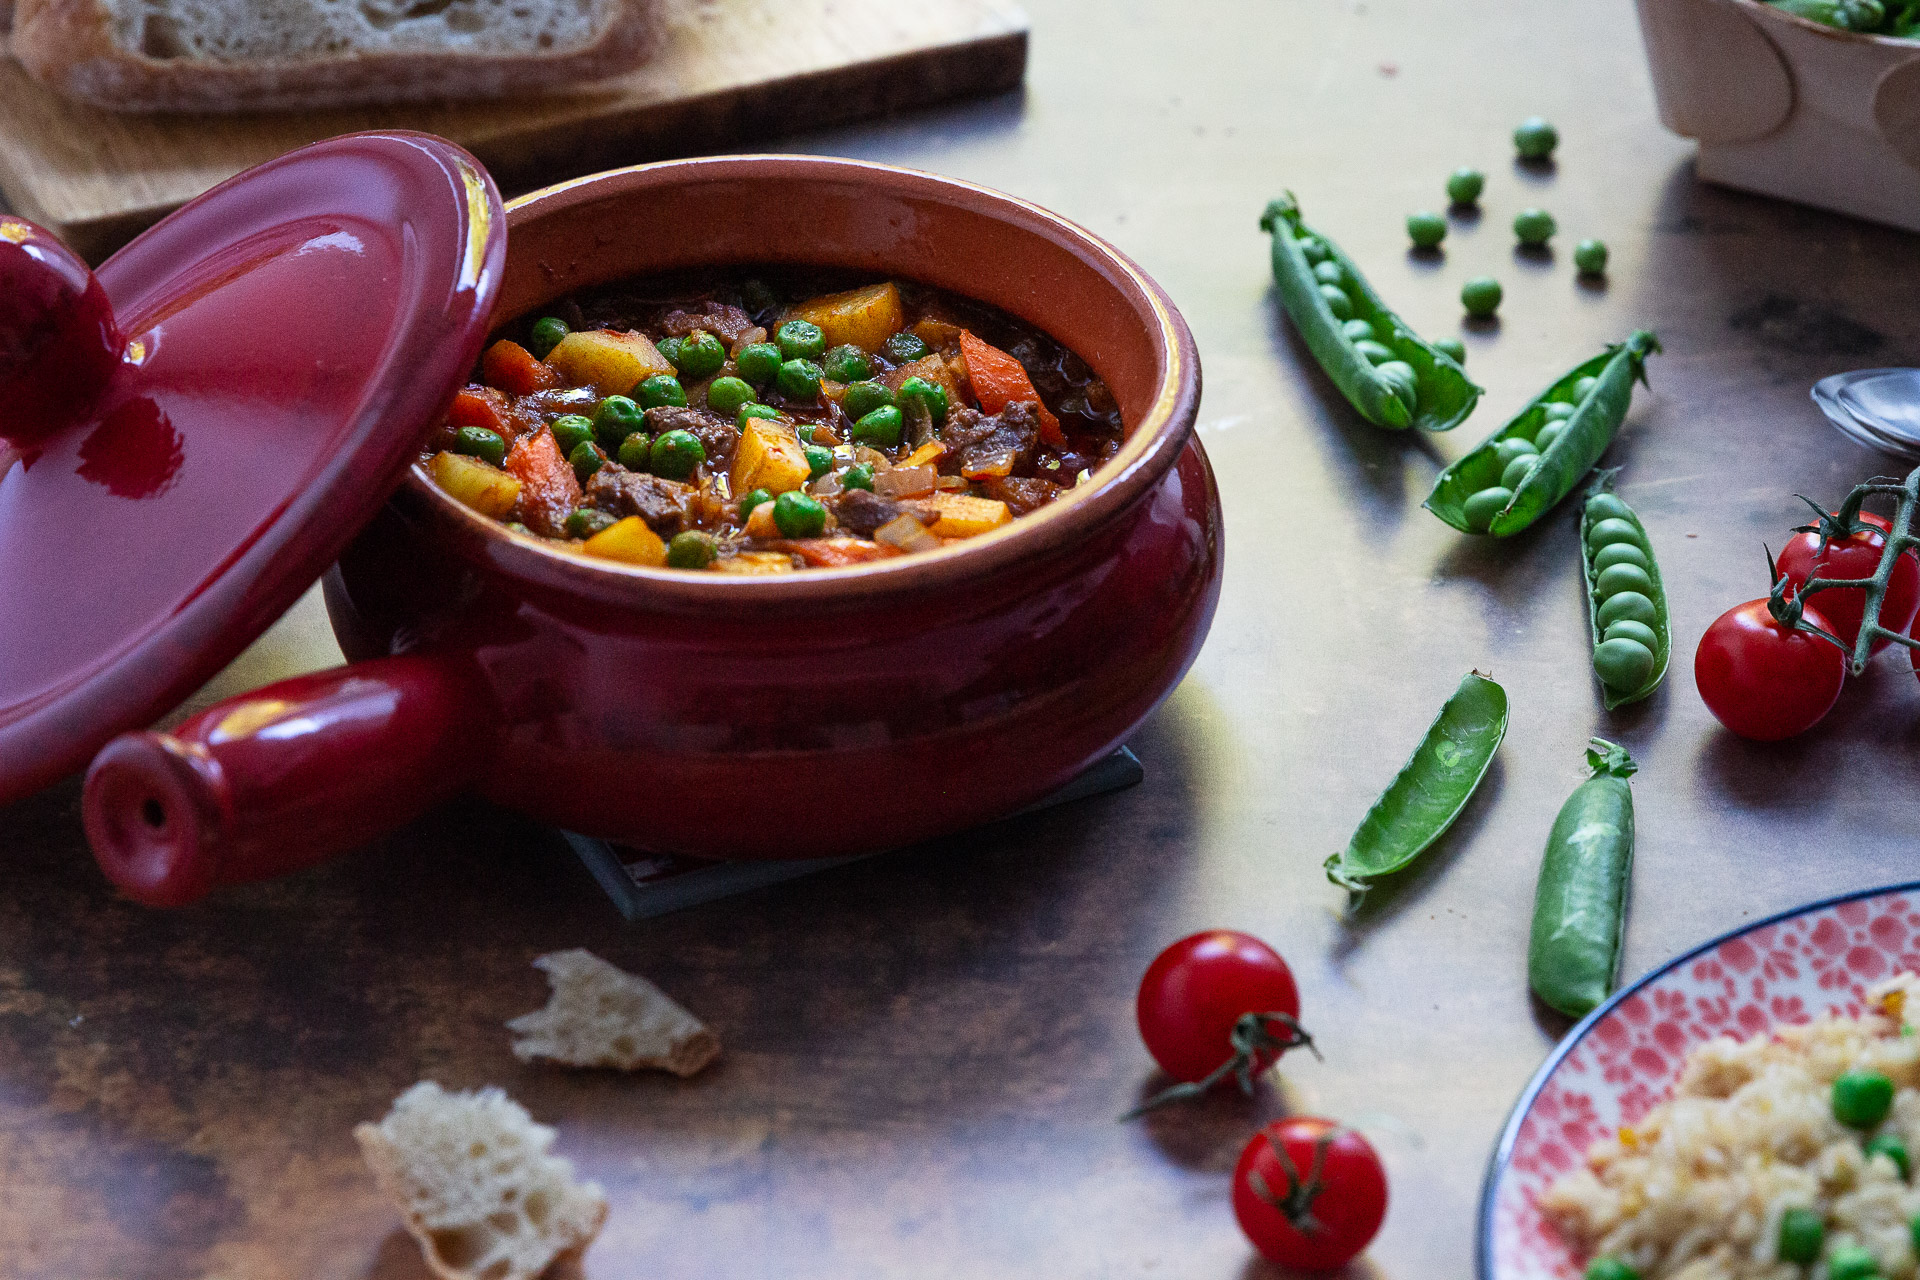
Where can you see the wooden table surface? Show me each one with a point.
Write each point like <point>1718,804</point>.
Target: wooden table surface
<point>925,1054</point>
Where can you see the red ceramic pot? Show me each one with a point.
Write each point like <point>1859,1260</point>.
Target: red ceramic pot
<point>817,713</point>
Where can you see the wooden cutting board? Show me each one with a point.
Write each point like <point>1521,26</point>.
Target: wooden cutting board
<point>733,71</point>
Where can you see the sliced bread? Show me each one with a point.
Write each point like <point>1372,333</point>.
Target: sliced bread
<point>603,1016</point>
<point>246,55</point>
<point>473,1181</point>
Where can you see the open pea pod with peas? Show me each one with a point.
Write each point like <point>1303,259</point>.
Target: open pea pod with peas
<point>1626,602</point>
<point>1386,370</point>
<point>1520,471</point>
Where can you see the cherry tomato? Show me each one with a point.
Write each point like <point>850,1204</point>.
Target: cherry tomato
<point>1855,556</point>
<point>1763,679</point>
<point>1198,988</point>
<point>1320,1204</point>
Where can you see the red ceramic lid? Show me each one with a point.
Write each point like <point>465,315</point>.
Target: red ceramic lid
<point>289,339</point>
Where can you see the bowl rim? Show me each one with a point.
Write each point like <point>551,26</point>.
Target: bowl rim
<point>1151,448</point>
<point>1576,1035</point>
<point>1833,33</point>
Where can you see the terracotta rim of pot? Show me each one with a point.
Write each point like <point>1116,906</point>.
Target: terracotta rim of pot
<point>1152,446</point>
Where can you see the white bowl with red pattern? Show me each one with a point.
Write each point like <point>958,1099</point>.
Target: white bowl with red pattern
<point>1623,1058</point>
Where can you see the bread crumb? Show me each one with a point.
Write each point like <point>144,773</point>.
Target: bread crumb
<point>603,1016</point>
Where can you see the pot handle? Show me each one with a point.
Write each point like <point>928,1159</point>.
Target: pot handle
<point>283,777</point>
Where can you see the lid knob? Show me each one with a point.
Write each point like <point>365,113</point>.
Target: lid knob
<point>58,340</point>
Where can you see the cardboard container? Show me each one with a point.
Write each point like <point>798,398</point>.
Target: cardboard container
<point>1791,108</point>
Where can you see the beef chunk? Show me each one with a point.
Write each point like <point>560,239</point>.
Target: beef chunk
<point>862,511</point>
<point>717,318</point>
<point>716,435</point>
<point>1022,495</point>
<point>980,443</point>
<point>664,504</point>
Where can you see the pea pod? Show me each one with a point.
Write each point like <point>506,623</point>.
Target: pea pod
<point>1481,494</point>
<point>1580,906</point>
<point>1429,791</point>
<point>1617,560</point>
<point>1412,384</point>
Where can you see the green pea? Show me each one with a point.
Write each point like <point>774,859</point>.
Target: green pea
<point>799,380</point>
<point>726,395</point>
<point>1606,532</point>
<point>819,461</point>
<point>1893,1148</point>
<point>752,500</point>
<point>1607,506</point>
<point>1861,1099</point>
<point>1627,629</point>
<point>1623,577</point>
<point>1405,382</point>
<point>636,451</point>
<point>1533,226</point>
<point>570,431</point>
<point>862,398</point>
<point>858,477</point>
<point>798,516</point>
<point>1620,553</point>
<point>676,453</point>
<point>1482,507</point>
<point>1622,663</point>
<point>700,355</point>
<point>847,364</point>
<point>1357,330</point>
<point>1315,249</point>
<point>1464,185</point>
<point>1607,1267</point>
<point>1514,447</point>
<point>669,349</point>
<point>1337,301</point>
<point>1481,296</point>
<point>751,411</point>
<point>1584,388</point>
<point>1802,1234</point>
<point>1629,605</point>
<point>690,549</point>
<point>1549,433</point>
<point>1452,348</point>
<point>930,394</point>
<point>614,419</point>
<point>1373,351</point>
<point>478,442</point>
<point>586,458</point>
<point>1560,411</point>
<point>1426,230</point>
<point>800,340</point>
<point>905,348</point>
<point>1535,139</point>
<point>584,522</point>
<point>1851,1262</point>
<point>1518,470</point>
<point>1330,272</point>
<point>1590,257</point>
<point>758,363</point>
<point>547,333</point>
<point>663,390</point>
<point>879,429</point>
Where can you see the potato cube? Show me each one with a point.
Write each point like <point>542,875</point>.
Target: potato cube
<point>962,516</point>
<point>864,317</point>
<point>611,363</point>
<point>630,542</point>
<point>768,457</point>
<point>755,562</point>
<point>480,485</point>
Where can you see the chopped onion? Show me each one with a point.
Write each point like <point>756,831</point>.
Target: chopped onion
<point>998,463</point>
<point>905,482</point>
<point>950,482</point>
<point>907,534</point>
<point>872,457</point>
<point>826,486</point>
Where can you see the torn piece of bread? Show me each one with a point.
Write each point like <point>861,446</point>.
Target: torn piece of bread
<point>247,55</point>
<point>602,1016</point>
<point>474,1183</point>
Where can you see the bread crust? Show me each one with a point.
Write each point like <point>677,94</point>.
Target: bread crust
<point>68,45</point>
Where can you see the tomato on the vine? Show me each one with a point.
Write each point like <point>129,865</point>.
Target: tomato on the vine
<point>1854,554</point>
<point>1197,992</point>
<point>1309,1193</point>
<point>1761,677</point>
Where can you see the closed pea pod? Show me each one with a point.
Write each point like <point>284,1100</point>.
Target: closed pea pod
<point>1596,394</point>
<point>1580,904</point>
<point>1626,602</point>
<point>1324,293</point>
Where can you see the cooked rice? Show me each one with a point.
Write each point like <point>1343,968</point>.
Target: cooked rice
<point>1696,1190</point>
